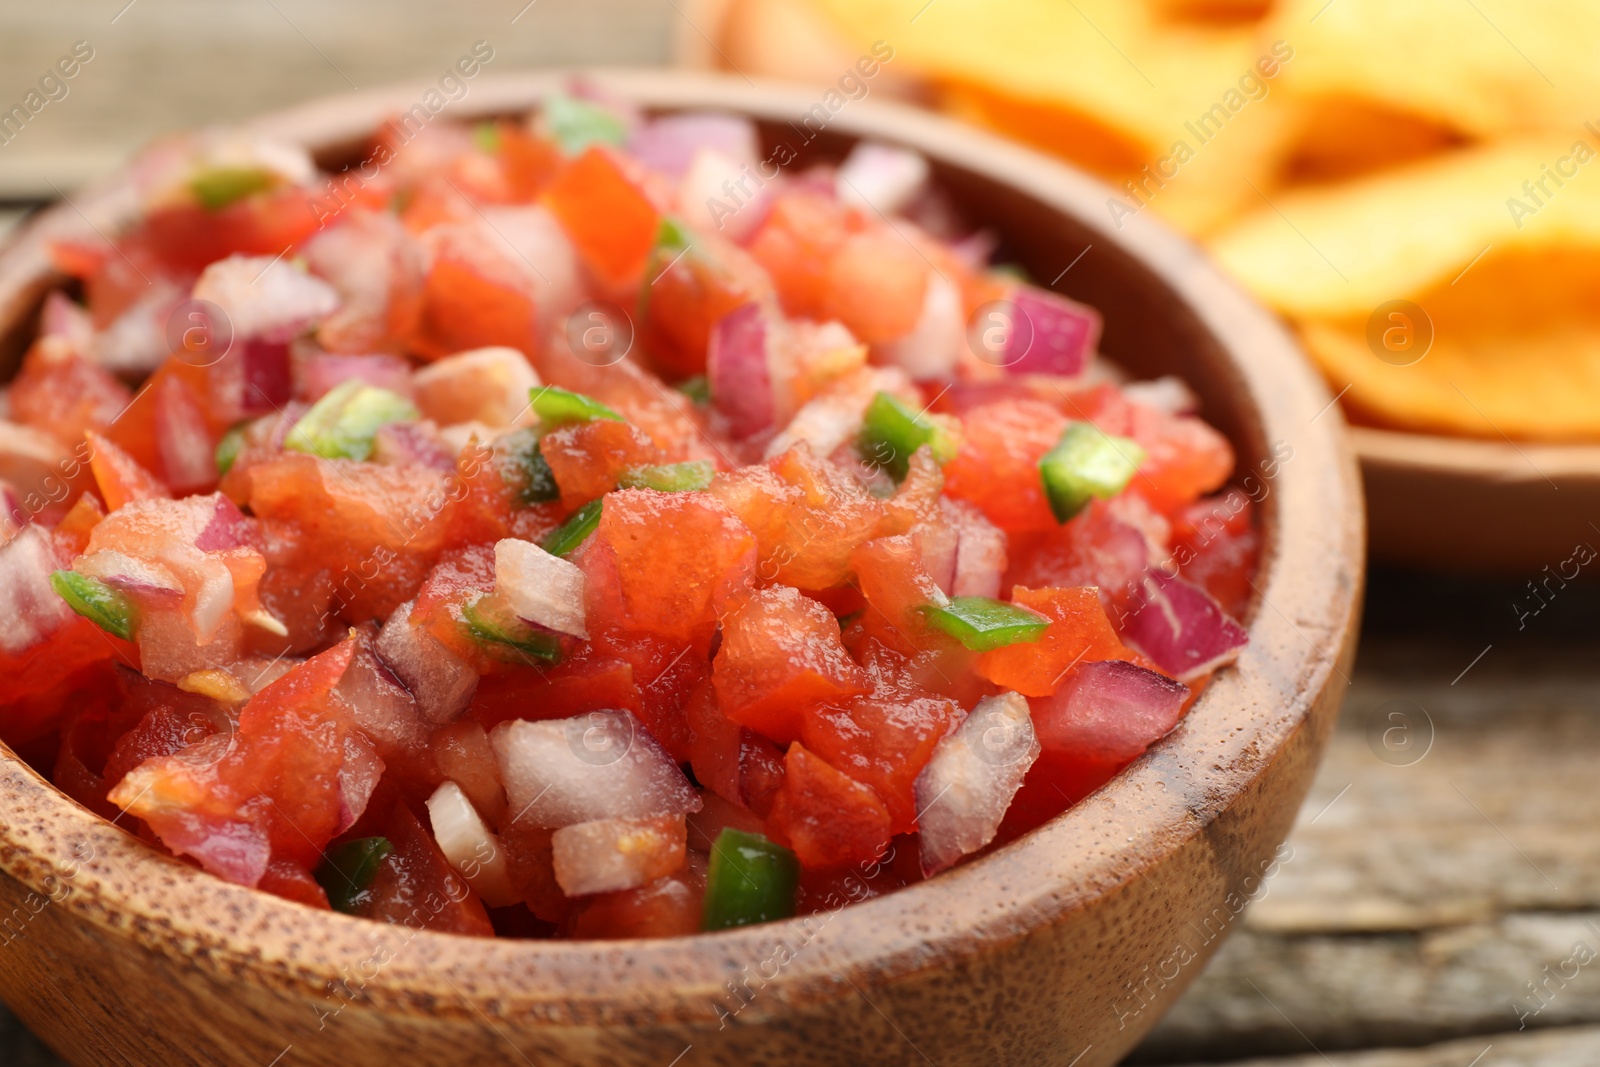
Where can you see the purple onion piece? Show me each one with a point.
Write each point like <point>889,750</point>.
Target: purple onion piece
<point>668,145</point>
<point>1183,629</point>
<point>738,369</point>
<point>1050,334</point>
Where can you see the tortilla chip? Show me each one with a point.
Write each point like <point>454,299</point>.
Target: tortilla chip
<point>1481,68</point>
<point>1339,251</point>
<point>1342,138</point>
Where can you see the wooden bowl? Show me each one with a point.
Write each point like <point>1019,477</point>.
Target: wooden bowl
<point>1061,948</point>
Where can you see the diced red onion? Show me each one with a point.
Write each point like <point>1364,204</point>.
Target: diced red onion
<point>603,765</point>
<point>541,588</point>
<point>738,370</point>
<point>1108,712</point>
<point>722,194</point>
<point>30,609</point>
<point>975,249</point>
<point>937,544</point>
<point>266,383</point>
<point>835,417</point>
<point>135,342</point>
<point>536,245</point>
<point>28,458</point>
<point>441,681</point>
<point>383,709</point>
<point>265,297</point>
<point>227,529</point>
<point>151,584</point>
<point>322,372</point>
<point>374,262</point>
<point>980,559</point>
<point>964,790</point>
<point>64,318</point>
<point>881,177</point>
<point>668,144</point>
<point>1183,629</point>
<point>1168,394</point>
<point>1049,334</point>
<point>471,847</point>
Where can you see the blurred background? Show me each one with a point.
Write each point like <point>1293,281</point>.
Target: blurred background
<point>1442,907</point>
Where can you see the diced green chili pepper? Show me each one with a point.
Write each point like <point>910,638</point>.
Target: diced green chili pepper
<point>1085,464</point>
<point>697,389</point>
<point>486,135</point>
<point>892,432</point>
<point>559,407</point>
<point>217,187</point>
<point>228,448</point>
<point>750,880</point>
<point>530,472</point>
<point>108,608</point>
<point>981,623</point>
<point>347,871</point>
<point>577,124</point>
<point>490,621</point>
<point>670,477</point>
<point>344,422</point>
<point>571,534</point>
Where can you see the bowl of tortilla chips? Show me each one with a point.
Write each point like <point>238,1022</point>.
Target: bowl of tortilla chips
<point>1413,184</point>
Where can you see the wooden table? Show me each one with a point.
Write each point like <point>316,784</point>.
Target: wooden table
<point>1426,898</point>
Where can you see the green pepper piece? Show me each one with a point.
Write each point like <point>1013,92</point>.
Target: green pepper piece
<point>892,432</point>
<point>217,187</point>
<point>229,447</point>
<point>577,124</point>
<point>562,540</point>
<point>486,136</point>
<point>981,623</point>
<point>697,389</point>
<point>531,475</point>
<point>344,422</point>
<point>1085,464</point>
<point>750,880</point>
<point>561,407</point>
<point>670,477</point>
<point>108,608</point>
<point>347,871</point>
<point>489,621</point>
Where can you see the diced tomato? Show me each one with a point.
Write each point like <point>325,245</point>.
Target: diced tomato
<point>72,532</point>
<point>532,870</point>
<point>1094,548</point>
<point>781,655</point>
<point>119,476</point>
<point>1079,632</point>
<point>376,529</point>
<point>462,754</point>
<point>832,889</point>
<point>583,683</point>
<point>827,817</point>
<point>808,515</point>
<point>684,298</point>
<point>876,282</point>
<point>1216,546</point>
<point>185,238</point>
<point>63,394</point>
<point>605,211</point>
<point>665,564</point>
<point>736,763</point>
<point>891,576</point>
<point>417,887</point>
<point>997,467</point>
<point>460,574</point>
<point>1184,457</point>
<point>667,907</point>
<point>795,244</point>
<point>528,162</point>
<point>587,458</point>
<point>884,743</point>
<point>473,297</point>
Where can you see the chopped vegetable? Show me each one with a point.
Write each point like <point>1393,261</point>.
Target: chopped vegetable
<point>670,477</point>
<point>343,424</point>
<point>559,407</point>
<point>577,124</point>
<point>892,432</point>
<point>750,880</point>
<point>348,870</point>
<point>981,623</point>
<point>98,602</point>
<point>697,389</point>
<point>488,619</point>
<point>575,530</point>
<point>535,482</point>
<point>228,448</point>
<point>217,187</point>
<point>1087,463</point>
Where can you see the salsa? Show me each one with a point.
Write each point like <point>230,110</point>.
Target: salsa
<point>518,533</point>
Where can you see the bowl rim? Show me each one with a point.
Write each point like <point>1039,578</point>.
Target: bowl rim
<point>1309,588</point>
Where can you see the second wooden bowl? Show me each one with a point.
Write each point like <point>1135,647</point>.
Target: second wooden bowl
<point>1061,948</point>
